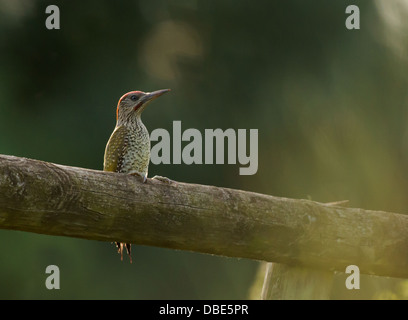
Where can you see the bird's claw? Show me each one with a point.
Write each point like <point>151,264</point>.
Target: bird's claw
<point>163,179</point>
<point>143,176</point>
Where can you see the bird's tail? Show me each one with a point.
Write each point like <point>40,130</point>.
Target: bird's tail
<point>120,246</point>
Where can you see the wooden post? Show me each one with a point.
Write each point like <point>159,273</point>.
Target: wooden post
<point>283,282</point>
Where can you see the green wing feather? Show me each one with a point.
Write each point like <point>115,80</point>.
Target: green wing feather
<point>115,150</point>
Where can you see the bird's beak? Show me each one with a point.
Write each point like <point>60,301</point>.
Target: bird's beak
<point>150,96</point>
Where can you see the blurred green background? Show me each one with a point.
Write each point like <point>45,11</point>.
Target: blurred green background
<point>330,105</point>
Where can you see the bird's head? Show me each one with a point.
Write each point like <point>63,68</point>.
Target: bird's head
<point>133,103</point>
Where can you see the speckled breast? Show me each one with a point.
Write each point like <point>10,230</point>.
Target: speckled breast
<point>137,155</point>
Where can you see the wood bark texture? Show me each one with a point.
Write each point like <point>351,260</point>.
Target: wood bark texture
<point>42,197</point>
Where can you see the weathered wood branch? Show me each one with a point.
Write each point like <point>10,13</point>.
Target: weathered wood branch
<point>52,199</point>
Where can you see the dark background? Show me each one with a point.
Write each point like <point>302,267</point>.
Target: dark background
<point>330,105</point>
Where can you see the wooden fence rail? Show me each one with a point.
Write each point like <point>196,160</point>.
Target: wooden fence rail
<point>41,197</point>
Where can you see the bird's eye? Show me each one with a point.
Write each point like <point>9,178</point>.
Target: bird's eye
<point>134,97</point>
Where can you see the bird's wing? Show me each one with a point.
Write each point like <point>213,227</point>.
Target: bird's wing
<point>115,150</point>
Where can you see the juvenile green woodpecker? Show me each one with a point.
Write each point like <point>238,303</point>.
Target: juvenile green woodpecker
<point>128,148</point>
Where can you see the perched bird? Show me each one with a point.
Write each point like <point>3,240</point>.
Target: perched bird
<point>128,148</point>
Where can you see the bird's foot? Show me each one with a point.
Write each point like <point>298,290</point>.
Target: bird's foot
<point>142,175</point>
<point>163,179</point>
<point>120,246</point>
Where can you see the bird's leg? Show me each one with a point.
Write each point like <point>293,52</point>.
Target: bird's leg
<point>119,245</point>
<point>163,179</point>
<point>128,248</point>
<point>142,175</point>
